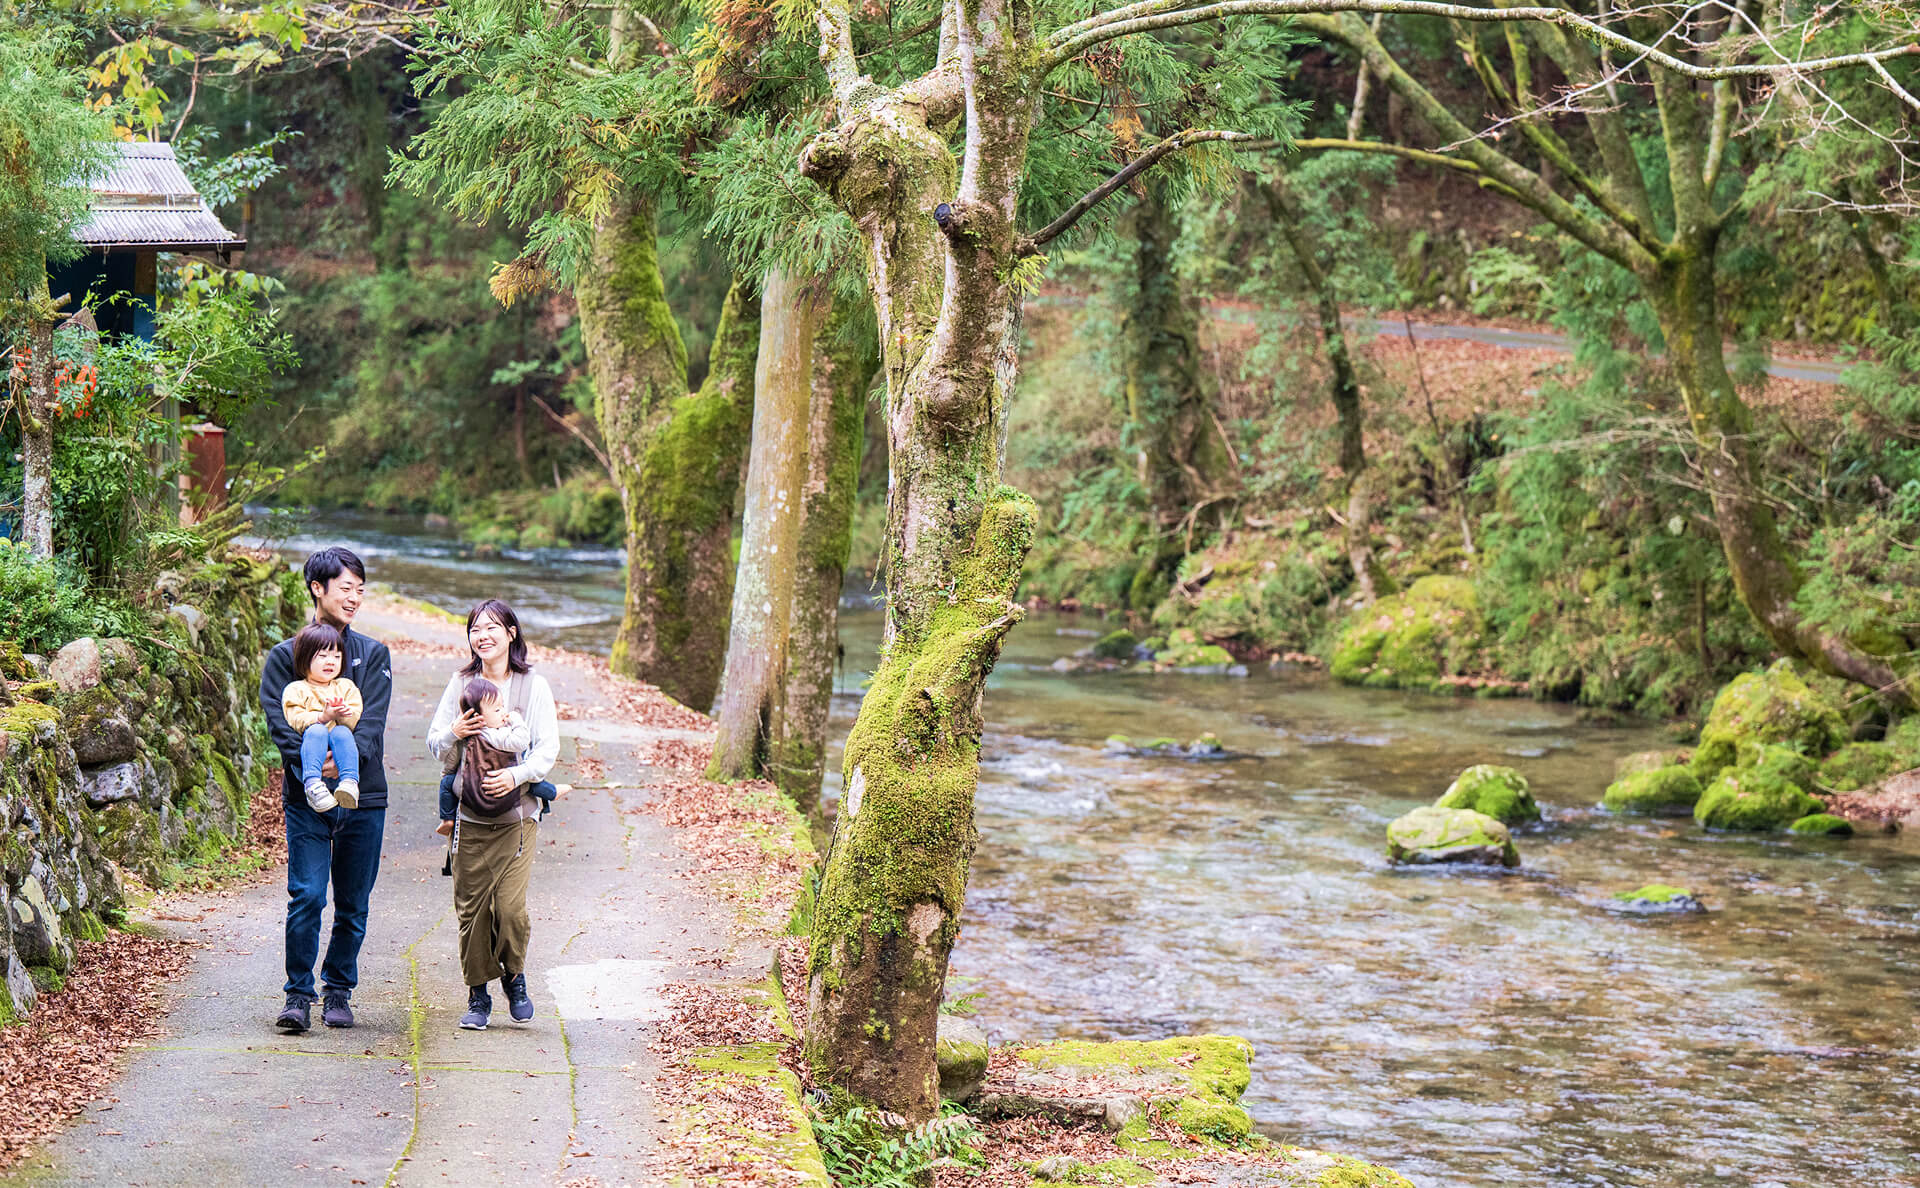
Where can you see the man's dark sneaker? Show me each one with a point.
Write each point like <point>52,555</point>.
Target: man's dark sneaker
<point>517,1001</point>
<point>294,1018</point>
<point>337,1013</point>
<point>479,1006</point>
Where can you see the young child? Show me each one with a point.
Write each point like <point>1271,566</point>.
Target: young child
<point>503,736</point>
<point>324,707</point>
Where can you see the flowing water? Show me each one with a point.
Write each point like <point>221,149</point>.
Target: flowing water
<point>1484,1030</point>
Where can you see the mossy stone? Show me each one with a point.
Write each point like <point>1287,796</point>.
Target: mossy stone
<point>1775,706</point>
<point>1410,640</point>
<point>1758,799</point>
<point>1857,765</point>
<point>1662,791</point>
<point>1434,834</point>
<point>1500,792</point>
<point>1823,825</point>
<point>1644,761</point>
<point>1115,645</point>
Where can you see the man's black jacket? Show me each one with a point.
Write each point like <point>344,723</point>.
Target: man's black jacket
<point>368,666</point>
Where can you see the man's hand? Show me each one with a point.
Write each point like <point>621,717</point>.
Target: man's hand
<point>467,725</point>
<point>498,783</point>
<point>444,828</point>
<point>330,769</point>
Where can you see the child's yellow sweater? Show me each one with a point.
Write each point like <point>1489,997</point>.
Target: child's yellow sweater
<point>305,701</point>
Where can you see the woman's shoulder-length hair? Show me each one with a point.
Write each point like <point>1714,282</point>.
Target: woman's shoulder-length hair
<point>502,614</point>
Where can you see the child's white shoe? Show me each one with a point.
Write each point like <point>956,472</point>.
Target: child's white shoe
<point>347,792</point>
<point>318,798</point>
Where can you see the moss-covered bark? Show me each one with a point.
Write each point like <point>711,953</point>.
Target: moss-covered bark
<point>845,358</point>
<point>1343,387</point>
<point>675,456</point>
<point>896,870</point>
<point>753,694</point>
<point>1183,458</point>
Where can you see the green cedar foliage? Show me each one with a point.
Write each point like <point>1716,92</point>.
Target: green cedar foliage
<point>50,142</point>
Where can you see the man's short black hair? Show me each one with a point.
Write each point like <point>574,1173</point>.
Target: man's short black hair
<point>330,563</point>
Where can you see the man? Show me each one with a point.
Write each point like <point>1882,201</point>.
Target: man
<point>341,844</point>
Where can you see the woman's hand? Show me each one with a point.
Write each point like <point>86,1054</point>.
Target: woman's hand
<point>498,783</point>
<point>467,725</point>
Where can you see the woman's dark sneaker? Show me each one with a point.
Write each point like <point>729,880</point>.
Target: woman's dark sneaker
<point>337,1013</point>
<point>479,1007</point>
<point>518,1003</point>
<point>294,1017</point>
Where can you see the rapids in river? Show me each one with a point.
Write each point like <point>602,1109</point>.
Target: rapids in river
<point>1465,1029</point>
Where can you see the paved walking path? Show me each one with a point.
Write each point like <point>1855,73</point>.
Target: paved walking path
<point>406,1098</point>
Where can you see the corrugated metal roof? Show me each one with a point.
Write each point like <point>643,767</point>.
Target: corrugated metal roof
<point>146,200</point>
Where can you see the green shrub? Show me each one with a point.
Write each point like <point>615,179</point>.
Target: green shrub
<point>45,604</point>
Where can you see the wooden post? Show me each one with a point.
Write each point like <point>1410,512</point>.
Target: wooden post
<point>203,485</point>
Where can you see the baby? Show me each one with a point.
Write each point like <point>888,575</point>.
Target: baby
<point>503,736</point>
<point>324,707</point>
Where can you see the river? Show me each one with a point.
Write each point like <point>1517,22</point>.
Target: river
<point>1468,1030</point>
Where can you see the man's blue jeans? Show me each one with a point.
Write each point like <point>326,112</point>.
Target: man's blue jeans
<point>316,740</point>
<point>341,845</point>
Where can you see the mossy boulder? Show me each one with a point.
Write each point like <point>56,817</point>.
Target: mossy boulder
<point>99,726</point>
<point>960,1050</point>
<point>1775,706</point>
<point>1657,898</point>
<point>1645,761</point>
<point>1412,639</point>
<point>1857,765</point>
<point>1193,1081</point>
<point>1115,645</point>
<point>1207,746</point>
<point>1904,737</point>
<point>1823,825</point>
<point>1186,650</point>
<point>1434,834</point>
<point>1664,791</point>
<point>1753,798</point>
<point>1500,792</point>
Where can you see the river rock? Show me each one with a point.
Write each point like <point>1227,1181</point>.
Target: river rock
<point>1644,761</point>
<point>79,666</point>
<point>1663,791</point>
<point>104,786</point>
<point>1656,899</point>
<point>1115,645</point>
<point>1500,792</point>
<point>1435,834</point>
<point>1823,825</point>
<point>1756,798</point>
<point>961,1052</point>
<point>1774,706</point>
<point>1411,640</point>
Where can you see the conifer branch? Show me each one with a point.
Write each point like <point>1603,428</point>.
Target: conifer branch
<point>1032,244</point>
<point>1149,16</point>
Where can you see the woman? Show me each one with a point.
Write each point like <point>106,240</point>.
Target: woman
<point>493,854</point>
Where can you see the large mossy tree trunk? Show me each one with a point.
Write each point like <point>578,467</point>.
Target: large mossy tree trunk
<point>816,362</point>
<point>1182,456</point>
<point>753,692</point>
<point>844,360</point>
<point>895,873</point>
<point>676,456</point>
<point>1680,285</point>
<point>1343,385</point>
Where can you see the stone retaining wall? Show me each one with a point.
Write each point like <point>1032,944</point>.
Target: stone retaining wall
<point>135,755</point>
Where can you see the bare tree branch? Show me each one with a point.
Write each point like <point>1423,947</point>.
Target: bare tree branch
<point>1100,193</point>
